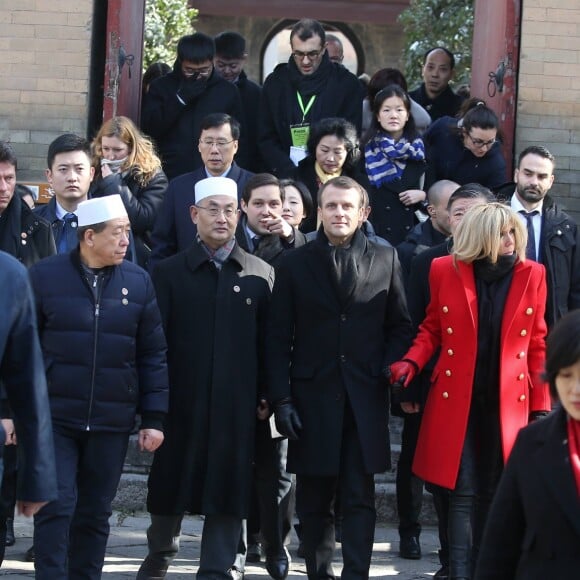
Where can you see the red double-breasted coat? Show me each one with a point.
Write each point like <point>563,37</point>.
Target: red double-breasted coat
<point>451,323</point>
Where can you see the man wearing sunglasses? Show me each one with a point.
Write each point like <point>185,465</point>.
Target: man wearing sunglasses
<point>297,94</point>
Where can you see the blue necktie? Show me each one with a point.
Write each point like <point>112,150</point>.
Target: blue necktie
<point>68,236</point>
<point>531,245</point>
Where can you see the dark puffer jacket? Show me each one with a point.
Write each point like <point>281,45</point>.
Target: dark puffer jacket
<point>106,359</point>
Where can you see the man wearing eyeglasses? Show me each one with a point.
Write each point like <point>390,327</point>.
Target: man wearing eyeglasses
<point>213,299</point>
<point>230,58</point>
<point>308,88</point>
<point>177,102</point>
<point>218,143</point>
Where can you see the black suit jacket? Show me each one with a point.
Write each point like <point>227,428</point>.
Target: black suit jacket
<point>533,529</point>
<point>319,352</point>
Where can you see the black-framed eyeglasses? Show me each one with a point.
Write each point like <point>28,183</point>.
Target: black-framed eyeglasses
<point>310,55</point>
<point>213,211</point>
<point>220,143</point>
<point>481,143</point>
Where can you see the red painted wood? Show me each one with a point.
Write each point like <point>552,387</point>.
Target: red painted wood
<point>496,39</point>
<point>348,11</point>
<point>122,93</point>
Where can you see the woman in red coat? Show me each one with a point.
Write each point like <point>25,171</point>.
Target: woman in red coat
<point>487,316</point>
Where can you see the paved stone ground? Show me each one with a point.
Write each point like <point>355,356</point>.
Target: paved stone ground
<point>127,548</point>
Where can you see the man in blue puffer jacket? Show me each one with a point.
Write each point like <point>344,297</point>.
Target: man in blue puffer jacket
<point>105,358</point>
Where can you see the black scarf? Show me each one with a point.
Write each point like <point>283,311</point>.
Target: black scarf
<point>308,85</point>
<point>492,282</point>
<point>343,263</point>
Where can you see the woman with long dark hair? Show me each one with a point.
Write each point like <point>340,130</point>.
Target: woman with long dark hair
<point>393,165</point>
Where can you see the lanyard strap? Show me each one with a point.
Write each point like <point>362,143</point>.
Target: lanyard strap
<point>308,106</point>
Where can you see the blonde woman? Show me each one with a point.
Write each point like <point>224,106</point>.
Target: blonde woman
<point>487,316</point>
<point>125,163</point>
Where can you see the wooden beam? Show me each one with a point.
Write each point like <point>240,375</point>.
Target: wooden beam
<point>348,11</point>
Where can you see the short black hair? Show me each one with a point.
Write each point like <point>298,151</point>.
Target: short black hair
<point>447,52</point>
<point>302,190</point>
<point>340,128</point>
<point>307,28</point>
<point>197,48</point>
<point>214,120</point>
<point>539,150</point>
<point>259,180</point>
<point>7,154</point>
<point>66,143</point>
<point>475,113</point>
<point>383,78</point>
<point>562,347</point>
<point>230,45</point>
<point>471,191</point>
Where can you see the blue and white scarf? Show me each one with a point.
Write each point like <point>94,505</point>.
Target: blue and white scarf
<point>386,159</point>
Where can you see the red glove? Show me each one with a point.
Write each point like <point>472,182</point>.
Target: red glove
<point>401,373</point>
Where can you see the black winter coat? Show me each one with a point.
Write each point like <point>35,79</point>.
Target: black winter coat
<point>175,127</point>
<point>250,93</point>
<point>341,97</point>
<point>142,203</point>
<point>214,322</point>
<point>25,235</point>
<point>104,360</point>
<point>319,352</point>
<point>533,528</point>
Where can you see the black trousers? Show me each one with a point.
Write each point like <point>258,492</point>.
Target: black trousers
<point>409,487</point>
<point>315,502</point>
<point>274,491</point>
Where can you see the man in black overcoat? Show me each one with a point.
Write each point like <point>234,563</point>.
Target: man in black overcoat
<point>213,299</point>
<point>338,316</point>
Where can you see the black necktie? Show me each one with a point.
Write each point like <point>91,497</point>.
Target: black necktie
<point>255,243</point>
<point>531,245</point>
<point>68,236</point>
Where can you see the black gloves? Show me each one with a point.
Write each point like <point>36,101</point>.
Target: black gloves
<point>190,88</point>
<point>287,420</point>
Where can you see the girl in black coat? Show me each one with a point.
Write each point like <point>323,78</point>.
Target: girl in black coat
<point>125,163</point>
<point>394,165</point>
<point>533,529</point>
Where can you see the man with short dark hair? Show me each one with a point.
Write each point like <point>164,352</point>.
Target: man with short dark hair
<point>69,174</point>
<point>553,237</point>
<point>213,298</point>
<point>176,103</point>
<point>218,142</point>
<point>338,316</point>
<point>230,59</point>
<point>434,94</point>
<point>297,94</point>
<point>105,353</point>
<point>22,234</point>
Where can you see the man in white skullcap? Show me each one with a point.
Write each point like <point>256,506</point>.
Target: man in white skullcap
<point>213,299</point>
<point>105,356</point>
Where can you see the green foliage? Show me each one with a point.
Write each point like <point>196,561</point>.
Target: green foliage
<point>166,21</point>
<point>429,23</point>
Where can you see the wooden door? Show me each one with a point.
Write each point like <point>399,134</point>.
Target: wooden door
<point>496,43</point>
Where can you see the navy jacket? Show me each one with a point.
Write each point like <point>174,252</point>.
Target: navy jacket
<point>174,231</point>
<point>106,359</point>
<point>21,372</point>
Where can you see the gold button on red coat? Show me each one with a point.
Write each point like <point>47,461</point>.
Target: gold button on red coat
<point>522,398</point>
<point>450,330</point>
<point>448,372</point>
<point>445,309</point>
<point>445,395</point>
<point>524,332</point>
<point>521,377</point>
<point>529,311</point>
<point>450,352</point>
<point>521,354</point>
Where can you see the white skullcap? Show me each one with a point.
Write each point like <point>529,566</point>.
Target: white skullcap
<point>215,186</point>
<point>100,209</point>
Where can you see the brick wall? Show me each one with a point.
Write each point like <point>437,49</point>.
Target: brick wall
<point>549,91</point>
<point>45,56</point>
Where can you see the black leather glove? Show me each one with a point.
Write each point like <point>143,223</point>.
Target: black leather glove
<point>190,88</point>
<point>287,420</point>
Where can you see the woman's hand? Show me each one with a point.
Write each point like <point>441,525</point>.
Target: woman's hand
<point>412,196</point>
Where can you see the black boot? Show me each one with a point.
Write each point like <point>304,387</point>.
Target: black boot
<point>10,539</point>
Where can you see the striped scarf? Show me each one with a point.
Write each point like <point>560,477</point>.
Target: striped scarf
<point>386,159</point>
